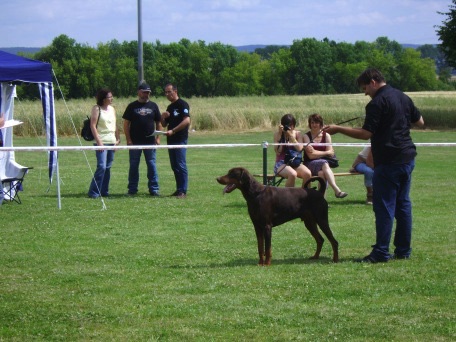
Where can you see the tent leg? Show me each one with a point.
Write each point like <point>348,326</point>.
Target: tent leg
<point>59,203</point>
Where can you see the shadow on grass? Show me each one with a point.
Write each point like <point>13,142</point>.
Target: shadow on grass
<point>254,262</point>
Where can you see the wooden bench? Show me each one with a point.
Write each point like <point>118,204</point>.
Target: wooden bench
<point>275,180</point>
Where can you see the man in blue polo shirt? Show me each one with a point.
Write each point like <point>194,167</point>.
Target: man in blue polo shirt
<point>389,116</point>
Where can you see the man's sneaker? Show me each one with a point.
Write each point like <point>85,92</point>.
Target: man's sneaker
<point>175,193</point>
<point>369,259</point>
<point>181,195</point>
<point>154,193</point>
<point>129,193</point>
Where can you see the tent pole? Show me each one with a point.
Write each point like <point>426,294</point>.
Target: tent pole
<point>59,202</point>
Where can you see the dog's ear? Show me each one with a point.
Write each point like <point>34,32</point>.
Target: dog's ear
<point>241,177</point>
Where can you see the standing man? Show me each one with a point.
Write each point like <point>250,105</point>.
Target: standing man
<point>141,119</point>
<point>177,120</point>
<point>389,116</point>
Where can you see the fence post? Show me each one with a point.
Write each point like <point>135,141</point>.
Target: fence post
<point>265,162</point>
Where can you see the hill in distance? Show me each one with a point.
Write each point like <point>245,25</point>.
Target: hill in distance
<point>25,50</point>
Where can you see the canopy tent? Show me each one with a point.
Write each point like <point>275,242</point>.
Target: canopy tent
<point>15,70</point>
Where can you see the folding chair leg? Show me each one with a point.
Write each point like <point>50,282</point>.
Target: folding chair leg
<point>12,194</point>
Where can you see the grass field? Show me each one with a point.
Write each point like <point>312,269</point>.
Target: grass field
<point>162,269</point>
<point>237,114</point>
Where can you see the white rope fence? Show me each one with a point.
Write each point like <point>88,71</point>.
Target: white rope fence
<point>157,147</point>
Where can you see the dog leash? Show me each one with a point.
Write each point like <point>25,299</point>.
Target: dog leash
<point>337,124</point>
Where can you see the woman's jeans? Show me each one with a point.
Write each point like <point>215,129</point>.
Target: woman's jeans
<point>133,173</point>
<point>178,160</point>
<point>391,185</point>
<point>367,172</point>
<point>102,175</point>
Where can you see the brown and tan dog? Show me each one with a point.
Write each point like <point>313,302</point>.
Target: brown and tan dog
<point>271,206</point>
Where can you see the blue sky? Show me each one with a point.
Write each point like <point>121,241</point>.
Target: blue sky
<point>35,23</point>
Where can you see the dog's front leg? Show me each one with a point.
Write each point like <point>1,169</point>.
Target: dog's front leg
<point>260,242</point>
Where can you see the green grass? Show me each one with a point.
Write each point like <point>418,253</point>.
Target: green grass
<point>162,269</point>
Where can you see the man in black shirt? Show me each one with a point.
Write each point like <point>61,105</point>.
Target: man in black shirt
<point>177,120</point>
<point>141,118</point>
<point>389,116</point>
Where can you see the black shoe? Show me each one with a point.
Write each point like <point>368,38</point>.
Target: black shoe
<point>131,193</point>
<point>181,195</point>
<point>175,193</point>
<point>154,194</point>
<point>369,259</point>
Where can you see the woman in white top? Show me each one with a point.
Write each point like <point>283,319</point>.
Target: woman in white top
<point>104,129</point>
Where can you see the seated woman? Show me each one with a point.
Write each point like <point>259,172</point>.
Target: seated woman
<point>287,134</point>
<point>364,164</point>
<point>313,154</point>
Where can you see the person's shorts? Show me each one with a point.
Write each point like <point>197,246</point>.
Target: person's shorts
<point>278,165</point>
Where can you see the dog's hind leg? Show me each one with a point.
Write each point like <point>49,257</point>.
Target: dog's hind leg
<point>268,246</point>
<point>324,226</point>
<point>260,242</point>
<point>312,227</point>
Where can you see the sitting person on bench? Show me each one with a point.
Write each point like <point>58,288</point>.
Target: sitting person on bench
<point>364,163</point>
<point>287,134</point>
<point>313,154</point>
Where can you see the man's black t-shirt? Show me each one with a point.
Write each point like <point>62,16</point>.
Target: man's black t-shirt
<point>389,116</point>
<point>142,117</point>
<point>178,111</point>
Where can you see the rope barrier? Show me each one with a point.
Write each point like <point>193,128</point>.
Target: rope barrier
<point>158,147</point>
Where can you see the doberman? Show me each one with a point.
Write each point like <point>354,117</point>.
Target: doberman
<point>271,206</point>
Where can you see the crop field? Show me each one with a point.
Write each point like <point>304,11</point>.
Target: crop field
<point>239,114</point>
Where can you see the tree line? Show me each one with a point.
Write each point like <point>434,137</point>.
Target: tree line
<point>308,66</point>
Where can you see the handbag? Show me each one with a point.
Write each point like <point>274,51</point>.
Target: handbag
<point>86,132</point>
<point>293,158</point>
<point>333,162</point>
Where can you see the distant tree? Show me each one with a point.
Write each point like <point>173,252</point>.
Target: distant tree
<point>345,75</point>
<point>312,66</point>
<point>416,74</point>
<point>266,52</point>
<point>244,78</point>
<point>433,52</point>
<point>221,57</point>
<point>387,46</point>
<point>447,35</point>
<point>278,78</point>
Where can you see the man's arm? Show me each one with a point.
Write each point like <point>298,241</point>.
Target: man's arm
<point>126,126</point>
<point>419,123</point>
<point>353,132</point>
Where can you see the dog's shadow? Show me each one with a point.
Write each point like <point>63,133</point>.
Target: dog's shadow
<point>253,262</point>
<point>287,261</point>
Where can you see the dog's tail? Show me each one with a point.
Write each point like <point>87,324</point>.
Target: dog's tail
<point>321,184</point>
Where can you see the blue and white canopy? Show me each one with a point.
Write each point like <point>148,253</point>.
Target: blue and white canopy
<point>14,69</point>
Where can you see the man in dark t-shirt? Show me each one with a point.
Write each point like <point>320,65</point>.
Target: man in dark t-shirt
<point>141,118</point>
<point>177,120</point>
<point>389,117</point>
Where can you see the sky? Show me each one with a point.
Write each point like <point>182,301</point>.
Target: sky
<point>35,23</point>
